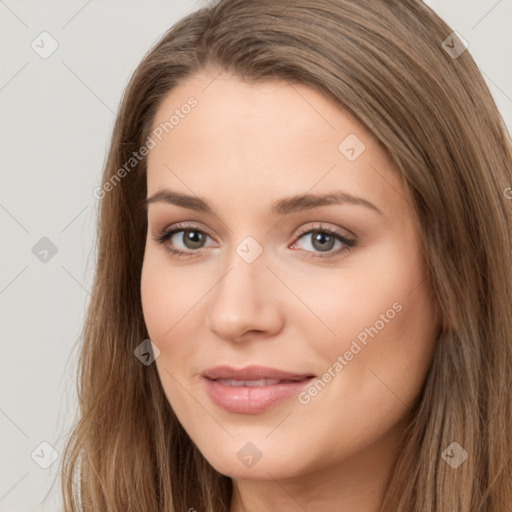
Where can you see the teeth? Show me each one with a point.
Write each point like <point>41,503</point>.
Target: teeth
<point>249,383</point>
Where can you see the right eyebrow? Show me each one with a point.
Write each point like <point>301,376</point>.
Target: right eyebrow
<point>183,200</point>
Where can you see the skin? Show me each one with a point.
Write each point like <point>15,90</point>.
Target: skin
<point>241,148</point>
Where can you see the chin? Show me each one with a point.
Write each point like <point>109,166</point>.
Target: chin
<point>270,464</point>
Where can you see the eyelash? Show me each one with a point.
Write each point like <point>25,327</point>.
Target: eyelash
<point>164,235</point>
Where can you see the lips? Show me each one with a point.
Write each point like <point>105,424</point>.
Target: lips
<point>253,373</point>
<point>252,389</point>
<point>250,383</point>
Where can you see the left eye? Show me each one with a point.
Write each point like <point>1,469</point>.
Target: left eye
<point>324,240</point>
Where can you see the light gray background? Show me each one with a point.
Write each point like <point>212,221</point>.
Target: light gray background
<point>56,117</point>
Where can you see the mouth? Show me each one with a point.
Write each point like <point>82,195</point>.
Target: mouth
<point>254,383</point>
<point>252,373</point>
<point>256,392</point>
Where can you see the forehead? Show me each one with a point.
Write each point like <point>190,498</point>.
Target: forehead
<point>227,101</point>
<point>219,132</point>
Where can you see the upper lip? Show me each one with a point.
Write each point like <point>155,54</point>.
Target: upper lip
<point>252,373</point>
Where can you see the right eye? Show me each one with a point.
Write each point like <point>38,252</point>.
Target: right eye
<point>190,237</point>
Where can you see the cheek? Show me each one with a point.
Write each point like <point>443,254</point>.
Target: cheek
<point>154,300</point>
<point>166,295</point>
<point>384,359</point>
<point>172,302</point>
<point>165,302</point>
<point>162,300</point>
<point>367,288</point>
<point>380,314</point>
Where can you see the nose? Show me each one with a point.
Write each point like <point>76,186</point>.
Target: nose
<point>246,302</point>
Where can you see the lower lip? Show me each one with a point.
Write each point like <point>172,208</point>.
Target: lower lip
<point>251,400</point>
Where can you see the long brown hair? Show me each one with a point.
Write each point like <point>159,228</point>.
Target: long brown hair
<point>388,62</point>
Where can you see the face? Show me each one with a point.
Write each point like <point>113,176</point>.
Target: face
<point>333,292</point>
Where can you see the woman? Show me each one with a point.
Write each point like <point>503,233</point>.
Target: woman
<point>303,289</point>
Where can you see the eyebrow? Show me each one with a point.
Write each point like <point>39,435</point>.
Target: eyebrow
<point>281,207</point>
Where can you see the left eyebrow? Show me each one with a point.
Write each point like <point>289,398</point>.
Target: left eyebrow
<point>308,201</point>
<point>281,207</point>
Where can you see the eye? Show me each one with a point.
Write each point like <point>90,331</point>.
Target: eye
<point>191,238</point>
<point>323,240</point>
